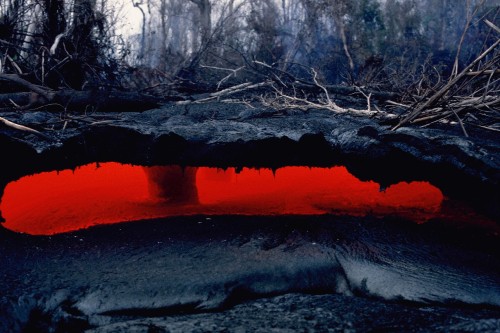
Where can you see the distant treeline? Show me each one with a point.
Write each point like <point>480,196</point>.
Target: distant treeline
<point>382,43</point>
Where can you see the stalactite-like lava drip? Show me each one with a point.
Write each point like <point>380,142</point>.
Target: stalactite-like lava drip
<point>56,202</point>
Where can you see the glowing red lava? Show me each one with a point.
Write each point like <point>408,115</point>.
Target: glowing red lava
<point>56,202</point>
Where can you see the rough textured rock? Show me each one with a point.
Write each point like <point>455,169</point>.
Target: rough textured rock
<point>238,135</point>
<point>199,274</point>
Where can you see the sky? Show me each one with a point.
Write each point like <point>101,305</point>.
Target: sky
<point>129,18</point>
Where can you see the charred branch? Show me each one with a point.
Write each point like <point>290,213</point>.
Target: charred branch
<point>69,99</point>
<point>447,98</point>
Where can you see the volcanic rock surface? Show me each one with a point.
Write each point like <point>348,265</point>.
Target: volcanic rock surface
<point>222,134</point>
<point>234,273</point>
<point>199,274</point>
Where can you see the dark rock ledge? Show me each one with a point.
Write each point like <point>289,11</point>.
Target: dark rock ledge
<point>222,135</point>
<point>198,274</point>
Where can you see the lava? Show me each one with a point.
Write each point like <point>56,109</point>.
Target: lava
<point>95,194</point>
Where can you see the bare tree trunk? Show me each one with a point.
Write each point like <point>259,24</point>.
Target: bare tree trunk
<point>339,10</point>
<point>29,36</point>
<point>164,32</point>
<point>143,32</point>
<point>442,29</point>
<point>345,44</point>
<point>56,22</point>
<point>285,12</point>
<point>471,13</point>
<point>84,16</point>
<point>205,8</point>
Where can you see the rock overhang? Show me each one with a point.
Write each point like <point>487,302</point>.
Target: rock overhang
<point>221,134</point>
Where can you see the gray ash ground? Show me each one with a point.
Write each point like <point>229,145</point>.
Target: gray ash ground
<point>267,274</point>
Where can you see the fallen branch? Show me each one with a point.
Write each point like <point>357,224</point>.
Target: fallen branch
<point>23,128</point>
<point>234,72</point>
<point>455,96</point>
<point>18,98</point>
<point>286,79</point>
<point>461,123</point>
<point>228,91</point>
<point>492,26</point>
<point>3,41</point>
<point>439,94</point>
<point>282,100</point>
<point>487,128</point>
<point>14,64</point>
<point>43,91</point>
<point>368,98</point>
<point>485,72</point>
<point>73,99</point>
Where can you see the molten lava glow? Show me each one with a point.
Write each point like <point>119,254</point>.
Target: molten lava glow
<point>56,202</point>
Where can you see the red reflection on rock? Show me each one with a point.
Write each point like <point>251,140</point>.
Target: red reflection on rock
<point>56,202</point>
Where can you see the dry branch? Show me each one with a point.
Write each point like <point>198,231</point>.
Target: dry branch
<point>439,95</point>
<point>229,91</point>
<point>484,72</point>
<point>492,26</point>
<point>234,72</point>
<point>282,100</point>
<point>23,128</point>
<point>40,96</point>
<point>45,92</point>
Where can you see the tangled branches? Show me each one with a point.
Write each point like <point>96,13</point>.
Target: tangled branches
<point>472,95</point>
<point>300,100</point>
